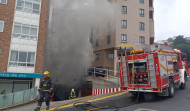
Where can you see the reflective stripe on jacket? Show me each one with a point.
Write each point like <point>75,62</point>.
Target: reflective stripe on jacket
<point>46,84</point>
<point>73,94</point>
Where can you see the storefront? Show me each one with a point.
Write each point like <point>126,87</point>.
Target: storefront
<point>14,82</point>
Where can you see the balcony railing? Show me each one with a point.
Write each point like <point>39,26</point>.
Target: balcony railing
<point>11,99</point>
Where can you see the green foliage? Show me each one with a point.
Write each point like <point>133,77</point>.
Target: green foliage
<point>179,40</point>
<point>182,44</point>
<point>170,40</point>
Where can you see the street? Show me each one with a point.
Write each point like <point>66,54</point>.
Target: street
<point>125,103</point>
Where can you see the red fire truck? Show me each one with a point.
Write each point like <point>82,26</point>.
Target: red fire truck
<point>158,71</point>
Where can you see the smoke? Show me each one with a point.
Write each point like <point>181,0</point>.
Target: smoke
<point>68,50</point>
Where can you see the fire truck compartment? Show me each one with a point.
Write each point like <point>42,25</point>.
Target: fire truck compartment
<point>138,70</point>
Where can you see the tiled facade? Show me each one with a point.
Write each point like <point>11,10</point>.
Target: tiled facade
<point>7,15</point>
<point>133,19</point>
<point>42,36</point>
<point>22,43</point>
<point>12,15</point>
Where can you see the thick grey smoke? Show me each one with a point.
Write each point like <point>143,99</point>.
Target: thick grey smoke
<point>68,50</point>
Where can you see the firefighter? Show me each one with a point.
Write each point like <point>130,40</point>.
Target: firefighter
<point>72,95</point>
<point>45,91</point>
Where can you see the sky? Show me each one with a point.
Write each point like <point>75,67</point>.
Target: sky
<point>171,18</point>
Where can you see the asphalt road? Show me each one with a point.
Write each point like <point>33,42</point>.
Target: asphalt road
<point>181,102</point>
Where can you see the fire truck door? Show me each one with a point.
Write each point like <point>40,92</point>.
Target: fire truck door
<point>151,66</point>
<point>163,65</point>
<point>169,63</point>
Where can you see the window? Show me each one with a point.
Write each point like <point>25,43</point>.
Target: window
<point>141,26</point>
<point>32,6</point>
<point>14,56</point>
<point>150,3</point>
<point>123,38</point>
<point>30,59</point>
<point>22,59</point>
<point>25,31</point>
<point>110,56</point>
<point>175,66</point>
<point>151,15</point>
<point>124,23</point>
<point>124,9</point>
<point>151,40</point>
<point>141,39</point>
<point>3,1</point>
<point>141,1</point>
<point>108,39</point>
<point>97,56</point>
<point>1,25</point>
<point>141,13</point>
<point>97,42</point>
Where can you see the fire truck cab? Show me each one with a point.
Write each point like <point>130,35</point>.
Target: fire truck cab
<point>158,71</point>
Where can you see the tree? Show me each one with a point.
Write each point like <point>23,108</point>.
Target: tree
<point>170,39</point>
<point>182,44</point>
<point>179,40</point>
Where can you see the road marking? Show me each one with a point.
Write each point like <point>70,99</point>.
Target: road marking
<point>95,108</point>
<point>74,101</point>
<point>92,100</point>
<point>142,109</point>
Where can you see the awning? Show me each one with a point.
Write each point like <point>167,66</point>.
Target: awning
<point>20,75</point>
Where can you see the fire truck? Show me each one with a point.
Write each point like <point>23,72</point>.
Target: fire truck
<point>156,71</point>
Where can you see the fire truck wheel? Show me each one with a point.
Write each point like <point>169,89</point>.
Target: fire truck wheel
<point>183,85</point>
<point>171,90</point>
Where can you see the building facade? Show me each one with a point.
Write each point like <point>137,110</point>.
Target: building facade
<point>133,25</point>
<point>23,25</point>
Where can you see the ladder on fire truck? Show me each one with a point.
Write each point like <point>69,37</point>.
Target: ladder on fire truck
<point>123,50</point>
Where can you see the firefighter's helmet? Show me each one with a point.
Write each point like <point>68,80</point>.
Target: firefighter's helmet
<point>73,90</point>
<point>46,73</point>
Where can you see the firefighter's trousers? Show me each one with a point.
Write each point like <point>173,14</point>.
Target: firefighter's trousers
<point>43,95</point>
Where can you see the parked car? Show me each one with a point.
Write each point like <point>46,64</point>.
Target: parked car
<point>96,71</point>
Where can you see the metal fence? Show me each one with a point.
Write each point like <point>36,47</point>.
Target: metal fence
<point>20,97</point>
<point>106,73</point>
<point>93,71</point>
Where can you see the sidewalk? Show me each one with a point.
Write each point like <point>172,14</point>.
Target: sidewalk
<point>66,103</point>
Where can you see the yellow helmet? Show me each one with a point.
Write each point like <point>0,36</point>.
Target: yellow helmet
<point>46,73</point>
<point>73,90</point>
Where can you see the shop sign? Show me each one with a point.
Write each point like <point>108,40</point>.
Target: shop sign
<point>20,75</point>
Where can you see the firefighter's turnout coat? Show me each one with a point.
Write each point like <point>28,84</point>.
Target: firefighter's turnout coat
<point>46,84</point>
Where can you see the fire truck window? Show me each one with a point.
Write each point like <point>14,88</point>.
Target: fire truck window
<point>175,65</point>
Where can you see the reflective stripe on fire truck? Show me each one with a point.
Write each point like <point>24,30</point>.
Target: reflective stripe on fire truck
<point>152,71</point>
<point>174,58</point>
<point>167,70</point>
<point>169,63</point>
<point>124,72</point>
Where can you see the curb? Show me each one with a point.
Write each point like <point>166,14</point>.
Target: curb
<point>20,104</point>
<point>86,101</point>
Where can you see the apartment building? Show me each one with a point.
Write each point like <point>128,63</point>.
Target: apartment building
<point>133,25</point>
<point>23,25</point>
